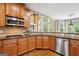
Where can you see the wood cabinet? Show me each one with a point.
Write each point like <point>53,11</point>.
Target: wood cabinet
<point>18,11</point>
<point>0,46</point>
<point>15,9</point>
<point>22,45</point>
<point>2,6</point>
<point>52,43</point>
<point>39,42</point>
<point>31,43</point>
<point>10,47</point>
<point>11,9</point>
<point>21,11</point>
<point>26,22</point>
<point>7,9</point>
<point>74,47</point>
<point>45,41</point>
<point>2,14</point>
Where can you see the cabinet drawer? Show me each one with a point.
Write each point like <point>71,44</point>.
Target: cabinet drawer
<point>22,39</point>
<point>10,41</point>
<point>74,42</point>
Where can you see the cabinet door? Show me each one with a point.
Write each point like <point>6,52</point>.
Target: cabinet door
<point>18,10</point>
<point>2,6</point>
<point>1,46</point>
<point>7,9</point>
<point>2,14</point>
<point>1,50</point>
<point>10,47</point>
<point>22,11</point>
<point>31,43</point>
<point>11,9</point>
<point>26,22</point>
<point>52,43</point>
<point>45,41</point>
<point>22,45</point>
<point>74,48</point>
<point>39,42</point>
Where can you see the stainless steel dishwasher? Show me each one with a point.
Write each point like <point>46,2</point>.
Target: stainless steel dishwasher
<point>62,46</point>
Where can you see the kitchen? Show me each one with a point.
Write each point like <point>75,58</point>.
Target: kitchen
<point>24,30</point>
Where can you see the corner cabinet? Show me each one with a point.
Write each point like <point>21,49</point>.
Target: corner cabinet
<point>10,47</point>
<point>2,14</point>
<point>74,47</point>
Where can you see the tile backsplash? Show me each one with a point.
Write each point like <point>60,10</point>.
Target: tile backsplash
<point>11,30</point>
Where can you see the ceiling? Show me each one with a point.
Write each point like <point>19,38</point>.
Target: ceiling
<point>56,10</point>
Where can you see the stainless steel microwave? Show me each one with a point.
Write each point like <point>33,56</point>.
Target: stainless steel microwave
<point>11,20</point>
<point>20,22</point>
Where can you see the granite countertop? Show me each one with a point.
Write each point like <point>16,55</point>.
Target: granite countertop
<point>68,36</point>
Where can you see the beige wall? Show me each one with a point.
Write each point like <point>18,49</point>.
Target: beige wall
<point>11,30</point>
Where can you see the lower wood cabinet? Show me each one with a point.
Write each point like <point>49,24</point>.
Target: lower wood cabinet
<point>0,46</point>
<point>45,41</point>
<point>0,49</point>
<point>39,42</point>
<point>22,45</point>
<point>10,47</point>
<point>31,43</point>
<point>74,47</point>
<point>52,43</point>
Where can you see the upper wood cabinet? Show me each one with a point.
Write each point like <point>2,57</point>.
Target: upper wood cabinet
<point>39,42</point>
<point>26,21</point>
<point>15,9</point>
<point>21,11</point>
<point>2,14</point>
<point>74,47</point>
<point>22,45</point>
<point>2,6</point>
<point>11,9</point>
<point>10,47</point>
<point>45,41</point>
<point>52,43</point>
